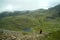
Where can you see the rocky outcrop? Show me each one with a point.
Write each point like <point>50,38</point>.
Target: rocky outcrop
<point>17,35</point>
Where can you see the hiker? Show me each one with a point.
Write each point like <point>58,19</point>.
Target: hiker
<point>40,31</point>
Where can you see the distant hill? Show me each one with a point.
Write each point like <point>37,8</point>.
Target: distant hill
<point>55,11</point>
<point>15,13</point>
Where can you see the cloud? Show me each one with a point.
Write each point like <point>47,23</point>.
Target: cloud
<point>43,4</point>
<point>53,2</point>
<point>20,4</point>
<point>26,4</point>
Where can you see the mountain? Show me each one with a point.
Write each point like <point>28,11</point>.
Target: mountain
<point>55,11</point>
<point>15,13</point>
<point>22,20</point>
<point>30,22</point>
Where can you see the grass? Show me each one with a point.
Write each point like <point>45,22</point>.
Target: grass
<point>54,36</point>
<point>24,21</point>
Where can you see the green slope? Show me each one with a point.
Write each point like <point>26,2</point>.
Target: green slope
<point>34,21</point>
<point>18,22</point>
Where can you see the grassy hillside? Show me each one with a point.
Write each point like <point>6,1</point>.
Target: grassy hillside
<point>31,21</point>
<point>18,22</point>
<point>54,36</point>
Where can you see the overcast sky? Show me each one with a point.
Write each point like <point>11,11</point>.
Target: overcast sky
<point>11,5</point>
